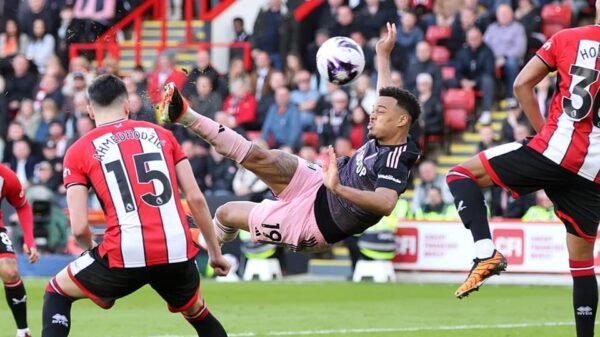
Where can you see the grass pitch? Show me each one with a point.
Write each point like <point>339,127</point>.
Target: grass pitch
<point>326,309</point>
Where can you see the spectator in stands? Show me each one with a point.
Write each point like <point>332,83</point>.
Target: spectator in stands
<point>221,174</point>
<point>84,125</point>
<point>344,24</point>
<point>343,147</point>
<point>521,132</point>
<point>430,178</point>
<point>433,207</point>
<point>423,64</point>
<point>432,110</point>
<point>466,19</point>
<point>14,134</point>
<point>329,13</point>
<point>54,67</point>
<point>49,88</point>
<point>174,9</point>
<point>28,118</point>
<point>282,124</point>
<point>373,16</point>
<point>198,157</point>
<point>276,81</point>
<point>49,114</point>
<point>72,116</point>
<point>23,163</point>
<point>360,122</point>
<point>402,7</point>
<point>50,218</point>
<point>275,32</point>
<point>310,59</point>
<point>409,34</point>
<point>324,101</point>
<point>514,118</point>
<point>95,17</point>
<point>444,13</point>
<point>236,71</point>
<point>204,68</point>
<point>308,153</point>
<point>56,135</point>
<point>31,10</point>
<point>397,79</point>
<point>261,74</point>
<point>240,35</point>
<point>165,72</point>
<point>363,94</point>
<point>65,34</point>
<point>20,84</point>
<point>306,99</point>
<point>543,210</point>
<point>45,175</point>
<point>79,84</point>
<point>335,122</point>
<point>206,101</point>
<point>367,49</point>
<point>241,104</point>
<point>475,70</point>
<point>110,65</point>
<point>246,183</point>
<point>139,110</point>
<point>77,65</point>
<point>293,65</point>
<point>482,13</point>
<point>507,39</point>
<point>529,16</point>
<point>12,41</point>
<point>486,134</point>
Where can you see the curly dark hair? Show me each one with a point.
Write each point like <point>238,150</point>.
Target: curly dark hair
<point>406,101</point>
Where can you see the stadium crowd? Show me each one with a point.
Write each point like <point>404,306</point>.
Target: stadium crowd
<point>281,102</point>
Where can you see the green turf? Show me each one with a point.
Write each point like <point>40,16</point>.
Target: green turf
<point>293,309</point>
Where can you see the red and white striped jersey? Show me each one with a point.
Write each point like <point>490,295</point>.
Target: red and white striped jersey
<point>571,135</point>
<point>131,167</point>
<point>11,189</point>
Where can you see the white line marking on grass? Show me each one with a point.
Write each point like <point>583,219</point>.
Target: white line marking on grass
<point>382,330</point>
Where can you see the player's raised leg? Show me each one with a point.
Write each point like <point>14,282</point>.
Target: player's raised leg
<point>465,181</point>
<point>15,292</point>
<point>276,168</point>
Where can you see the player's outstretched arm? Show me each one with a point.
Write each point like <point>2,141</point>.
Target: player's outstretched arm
<point>384,50</point>
<point>533,72</point>
<point>201,215</point>
<point>77,199</point>
<point>382,201</point>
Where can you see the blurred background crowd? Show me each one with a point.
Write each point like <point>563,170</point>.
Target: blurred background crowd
<point>281,101</point>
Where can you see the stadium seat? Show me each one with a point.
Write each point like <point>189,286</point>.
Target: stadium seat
<point>459,99</point>
<point>455,119</point>
<point>435,33</point>
<point>379,271</point>
<point>265,269</point>
<point>440,55</point>
<point>555,17</point>
<point>448,73</point>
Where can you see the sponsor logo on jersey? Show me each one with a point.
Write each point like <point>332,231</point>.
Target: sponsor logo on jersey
<point>389,177</point>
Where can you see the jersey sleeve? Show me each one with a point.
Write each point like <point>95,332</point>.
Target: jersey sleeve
<point>12,189</point>
<point>73,173</point>
<point>391,172</point>
<point>547,53</point>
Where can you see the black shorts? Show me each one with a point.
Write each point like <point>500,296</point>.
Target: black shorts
<point>177,283</point>
<point>522,170</point>
<point>7,249</point>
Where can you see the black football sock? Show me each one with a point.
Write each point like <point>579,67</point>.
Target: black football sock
<point>205,323</point>
<point>56,314</point>
<point>17,302</point>
<point>585,296</point>
<point>469,202</point>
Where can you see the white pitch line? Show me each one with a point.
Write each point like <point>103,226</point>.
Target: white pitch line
<point>382,330</point>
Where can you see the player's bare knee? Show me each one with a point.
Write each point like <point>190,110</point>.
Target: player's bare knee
<point>9,273</point>
<point>224,215</point>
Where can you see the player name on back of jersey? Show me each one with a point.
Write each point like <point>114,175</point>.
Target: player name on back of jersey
<point>132,134</point>
<point>592,50</point>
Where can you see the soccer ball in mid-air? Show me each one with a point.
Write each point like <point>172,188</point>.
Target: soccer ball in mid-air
<point>340,60</point>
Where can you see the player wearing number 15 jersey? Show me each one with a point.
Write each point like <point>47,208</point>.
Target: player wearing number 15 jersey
<point>136,169</point>
<point>563,159</point>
